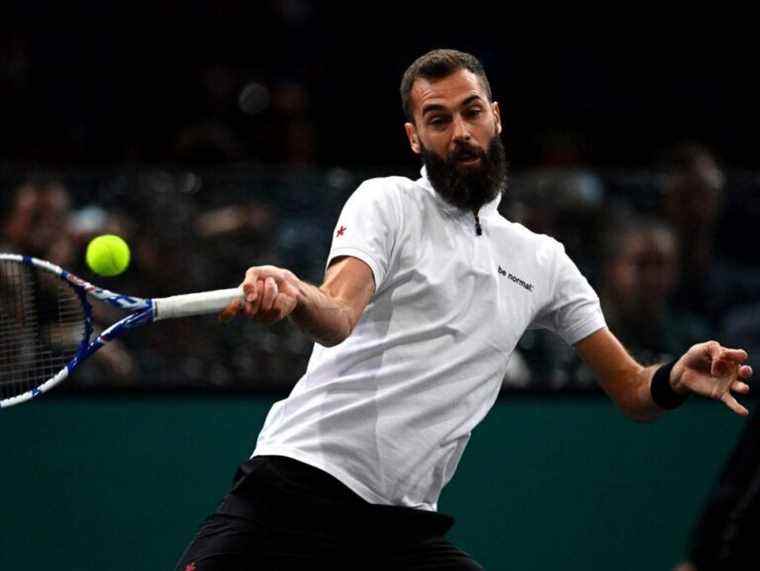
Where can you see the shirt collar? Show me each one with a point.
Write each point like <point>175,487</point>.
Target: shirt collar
<point>486,211</point>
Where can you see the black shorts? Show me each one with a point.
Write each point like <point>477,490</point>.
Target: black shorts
<point>284,514</point>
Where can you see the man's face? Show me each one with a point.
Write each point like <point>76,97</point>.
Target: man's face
<point>456,131</point>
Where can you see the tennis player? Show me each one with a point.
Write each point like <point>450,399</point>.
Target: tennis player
<point>427,291</point>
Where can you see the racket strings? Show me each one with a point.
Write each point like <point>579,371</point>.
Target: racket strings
<point>42,324</point>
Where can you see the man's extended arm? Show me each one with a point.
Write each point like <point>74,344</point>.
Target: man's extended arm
<point>327,313</point>
<point>707,369</point>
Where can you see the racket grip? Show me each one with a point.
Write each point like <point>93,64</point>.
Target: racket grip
<point>190,304</point>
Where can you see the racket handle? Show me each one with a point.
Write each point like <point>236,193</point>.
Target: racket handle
<point>194,303</point>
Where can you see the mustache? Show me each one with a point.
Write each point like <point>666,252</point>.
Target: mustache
<point>464,151</point>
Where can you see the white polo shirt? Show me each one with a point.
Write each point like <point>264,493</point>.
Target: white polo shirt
<point>389,411</point>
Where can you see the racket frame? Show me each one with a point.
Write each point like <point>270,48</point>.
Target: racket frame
<point>141,312</point>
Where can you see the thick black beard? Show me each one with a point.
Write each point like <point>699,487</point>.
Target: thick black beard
<point>468,188</point>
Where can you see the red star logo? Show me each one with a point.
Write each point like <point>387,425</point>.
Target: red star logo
<point>190,567</point>
<point>340,231</point>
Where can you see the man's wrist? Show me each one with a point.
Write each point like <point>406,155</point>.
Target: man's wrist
<point>302,299</point>
<point>663,393</point>
<point>676,370</point>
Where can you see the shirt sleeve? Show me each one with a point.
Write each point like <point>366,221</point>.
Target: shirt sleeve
<point>367,228</point>
<point>573,311</point>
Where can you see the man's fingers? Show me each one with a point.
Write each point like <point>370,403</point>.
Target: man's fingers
<point>270,293</point>
<point>262,288</point>
<point>285,304</point>
<point>723,367</point>
<point>726,361</point>
<point>282,306</point>
<point>724,354</point>
<point>729,362</point>
<point>738,387</point>
<point>250,288</point>
<point>717,352</point>
<point>734,405</point>
<point>269,304</point>
<point>739,355</point>
<point>231,310</point>
<point>256,293</point>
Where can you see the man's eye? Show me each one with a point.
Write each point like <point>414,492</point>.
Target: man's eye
<point>437,121</point>
<point>474,111</point>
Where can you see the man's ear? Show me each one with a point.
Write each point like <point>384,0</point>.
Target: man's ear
<point>497,113</point>
<point>414,140</point>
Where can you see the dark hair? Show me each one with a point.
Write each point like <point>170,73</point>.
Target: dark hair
<point>437,64</point>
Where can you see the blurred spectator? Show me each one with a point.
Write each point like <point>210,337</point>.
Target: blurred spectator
<point>37,222</point>
<point>235,237</point>
<point>639,275</point>
<point>692,203</point>
<point>693,198</point>
<point>564,203</point>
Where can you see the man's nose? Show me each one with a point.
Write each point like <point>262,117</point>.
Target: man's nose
<point>461,129</point>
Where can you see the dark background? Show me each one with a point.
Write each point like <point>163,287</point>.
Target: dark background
<point>101,98</point>
<point>113,91</point>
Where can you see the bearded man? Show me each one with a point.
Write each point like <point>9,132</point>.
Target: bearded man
<point>427,291</point>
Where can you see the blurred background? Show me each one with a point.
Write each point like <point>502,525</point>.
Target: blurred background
<point>210,152</point>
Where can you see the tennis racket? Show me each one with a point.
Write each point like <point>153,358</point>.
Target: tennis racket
<point>46,327</point>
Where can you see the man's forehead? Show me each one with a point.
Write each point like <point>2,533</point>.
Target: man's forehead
<point>448,91</point>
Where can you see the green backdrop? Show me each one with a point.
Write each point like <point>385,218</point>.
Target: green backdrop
<point>121,482</point>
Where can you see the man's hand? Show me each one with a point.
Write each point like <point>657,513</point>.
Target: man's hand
<point>327,314</point>
<point>271,294</point>
<point>714,371</point>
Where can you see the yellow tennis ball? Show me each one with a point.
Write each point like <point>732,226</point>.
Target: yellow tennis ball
<point>107,255</point>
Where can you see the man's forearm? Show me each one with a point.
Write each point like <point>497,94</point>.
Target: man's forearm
<point>626,381</point>
<point>327,313</point>
<point>325,319</point>
<point>639,405</point>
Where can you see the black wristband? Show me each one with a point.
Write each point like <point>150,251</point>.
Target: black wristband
<point>662,393</point>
